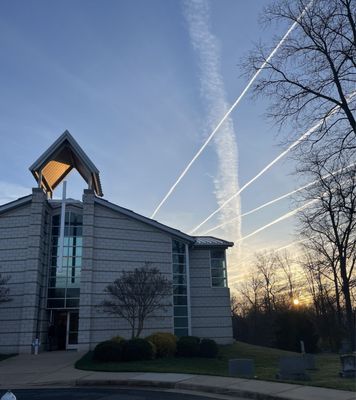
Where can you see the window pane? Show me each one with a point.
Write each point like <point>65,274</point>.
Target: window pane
<point>73,338</point>
<point>57,282</point>
<point>180,300</point>
<point>76,219</point>
<point>218,273</point>
<point>76,231</point>
<point>55,303</point>
<point>217,254</point>
<point>56,293</point>
<point>181,332</point>
<point>72,303</point>
<point>180,311</point>
<point>78,261</point>
<point>215,263</point>
<point>77,251</point>
<point>56,219</point>
<point>178,247</point>
<point>73,292</point>
<point>55,272</point>
<point>180,322</point>
<point>179,289</point>
<point>179,269</point>
<point>77,241</point>
<point>178,259</point>
<point>73,282</point>
<point>219,282</point>
<point>179,279</point>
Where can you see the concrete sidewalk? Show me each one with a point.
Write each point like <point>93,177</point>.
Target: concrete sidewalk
<point>56,369</point>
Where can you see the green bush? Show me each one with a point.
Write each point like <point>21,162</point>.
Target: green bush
<point>138,349</point>
<point>166,343</point>
<point>117,339</point>
<point>188,346</point>
<point>208,348</point>
<point>108,351</point>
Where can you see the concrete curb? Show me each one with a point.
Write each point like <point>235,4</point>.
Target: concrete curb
<point>178,386</point>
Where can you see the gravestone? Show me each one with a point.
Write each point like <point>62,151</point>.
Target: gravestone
<point>242,367</point>
<point>345,346</point>
<point>309,360</point>
<point>348,365</point>
<point>292,368</point>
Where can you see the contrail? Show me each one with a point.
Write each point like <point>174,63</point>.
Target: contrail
<point>197,14</point>
<point>277,199</point>
<point>267,167</point>
<point>229,111</point>
<point>283,217</point>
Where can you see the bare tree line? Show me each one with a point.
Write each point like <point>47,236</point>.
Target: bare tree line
<point>311,79</point>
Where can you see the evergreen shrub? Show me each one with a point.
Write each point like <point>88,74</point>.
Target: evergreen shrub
<point>138,349</point>
<point>108,351</point>
<point>188,346</point>
<point>165,342</point>
<point>208,348</point>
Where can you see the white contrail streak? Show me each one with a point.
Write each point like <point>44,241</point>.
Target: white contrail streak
<point>283,217</point>
<point>267,167</point>
<point>206,45</point>
<point>229,111</point>
<point>277,199</point>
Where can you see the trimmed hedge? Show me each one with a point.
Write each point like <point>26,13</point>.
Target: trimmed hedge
<point>108,351</point>
<point>188,346</point>
<point>208,348</point>
<point>165,343</point>
<point>138,349</point>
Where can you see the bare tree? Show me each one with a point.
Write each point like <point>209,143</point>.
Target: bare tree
<point>4,289</point>
<point>330,224</point>
<point>136,295</point>
<point>312,77</point>
<point>266,265</point>
<point>288,267</point>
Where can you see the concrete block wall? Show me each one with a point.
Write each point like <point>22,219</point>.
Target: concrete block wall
<point>34,281</point>
<point>13,261</point>
<point>23,248</point>
<point>210,306</point>
<point>113,242</point>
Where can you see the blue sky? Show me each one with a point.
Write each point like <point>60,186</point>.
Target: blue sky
<point>124,77</point>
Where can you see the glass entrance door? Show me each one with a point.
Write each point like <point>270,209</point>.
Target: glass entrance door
<point>72,329</point>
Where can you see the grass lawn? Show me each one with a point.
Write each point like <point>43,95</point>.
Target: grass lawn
<point>266,360</point>
<point>5,356</point>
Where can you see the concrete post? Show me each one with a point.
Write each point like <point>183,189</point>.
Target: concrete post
<point>86,280</point>
<point>32,281</point>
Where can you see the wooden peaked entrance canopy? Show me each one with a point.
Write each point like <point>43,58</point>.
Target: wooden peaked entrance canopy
<point>59,159</point>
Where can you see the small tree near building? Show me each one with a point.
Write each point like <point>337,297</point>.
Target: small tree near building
<point>136,295</point>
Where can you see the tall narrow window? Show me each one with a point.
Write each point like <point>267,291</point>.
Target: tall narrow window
<point>64,284</point>
<point>180,297</point>
<point>218,268</point>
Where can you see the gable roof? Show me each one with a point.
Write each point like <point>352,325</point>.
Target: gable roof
<point>145,220</point>
<point>59,159</point>
<point>15,203</point>
<point>210,241</point>
<point>195,241</point>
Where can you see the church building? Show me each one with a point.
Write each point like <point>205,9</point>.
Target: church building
<point>60,255</point>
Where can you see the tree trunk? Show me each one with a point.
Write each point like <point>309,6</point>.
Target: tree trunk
<point>348,304</point>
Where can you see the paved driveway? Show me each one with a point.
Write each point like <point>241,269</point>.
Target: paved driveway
<point>27,369</point>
